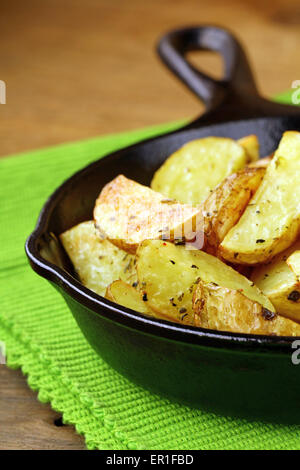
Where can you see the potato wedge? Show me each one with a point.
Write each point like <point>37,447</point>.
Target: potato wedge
<point>293,262</point>
<point>190,173</point>
<point>264,162</point>
<point>97,262</point>
<point>226,204</point>
<point>224,309</point>
<point>271,221</point>
<point>125,294</point>
<point>127,213</point>
<point>251,145</point>
<point>280,283</point>
<point>168,275</point>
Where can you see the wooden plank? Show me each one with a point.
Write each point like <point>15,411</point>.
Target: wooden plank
<point>25,423</point>
<point>78,69</point>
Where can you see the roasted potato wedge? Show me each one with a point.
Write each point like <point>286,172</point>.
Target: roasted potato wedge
<point>251,145</point>
<point>168,275</point>
<point>226,204</point>
<point>97,262</point>
<point>224,309</point>
<point>125,294</point>
<point>280,282</point>
<point>127,213</point>
<point>271,221</point>
<point>262,162</point>
<point>293,262</point>
<point>215,239</point>
<point>190,173</point>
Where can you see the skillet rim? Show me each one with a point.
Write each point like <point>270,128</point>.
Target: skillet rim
<point>129,318</point>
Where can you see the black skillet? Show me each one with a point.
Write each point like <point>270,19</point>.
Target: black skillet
<point>224,372</point>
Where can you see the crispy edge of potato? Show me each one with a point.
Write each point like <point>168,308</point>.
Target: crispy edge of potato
<point>293,262</point>
<point>146,213</point>
<point>162,182</point>
<point>117,292</point>
<point>261,162</point>
<point>251,145</point>
<point>226,204</point>
<point>280,283</point>
<point>265,248</point>
<point>168,274</point>
<point>170,305</point>
<point>122,244</point>
<point>256,257</point>
<point>93,258</point>
<point>128,296</point>
<point>223,309</point>
<point>287,302</point>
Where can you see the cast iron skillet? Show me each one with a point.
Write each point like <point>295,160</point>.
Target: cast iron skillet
<point>225,372</point>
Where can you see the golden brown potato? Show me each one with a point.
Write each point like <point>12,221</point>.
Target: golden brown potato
<point>251,145</point>
<point>280,283</point>
<point>125,294</point>
<point>97,262</point>
<point>168,275</point>
<point>224,309</point>
<point>271,221</point>
<point>233,207</point>
<point>293,262</point>
<point>127,213</point>
<point>262,162</point>
<point>191,172</point>
<point>226,204</point>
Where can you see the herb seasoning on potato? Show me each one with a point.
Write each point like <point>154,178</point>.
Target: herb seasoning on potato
<point>214,243</point>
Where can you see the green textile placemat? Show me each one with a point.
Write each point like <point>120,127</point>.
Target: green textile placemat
<point>43,339</point>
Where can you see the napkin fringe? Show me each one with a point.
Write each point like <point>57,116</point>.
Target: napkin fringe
<point>19,349</point>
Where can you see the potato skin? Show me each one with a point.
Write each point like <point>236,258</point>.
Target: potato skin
<point>226,204</point>
<point>262,162</point>
<point>293,262</point>
<point>251,145</point>
<point>168,274</point>
<point>128,296</point>
<point>223,309</point>
<point>280,283</point>
<point>127,213</point>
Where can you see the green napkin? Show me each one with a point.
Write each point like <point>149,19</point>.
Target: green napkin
<point>43,339</point>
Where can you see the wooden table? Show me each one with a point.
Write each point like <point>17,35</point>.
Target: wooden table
<point>76,69</point>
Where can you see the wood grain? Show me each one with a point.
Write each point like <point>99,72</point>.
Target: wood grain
<point>25,423</point>
<point>76,69</point>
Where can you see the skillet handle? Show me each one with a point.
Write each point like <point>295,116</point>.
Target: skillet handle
<point>233,97</point>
